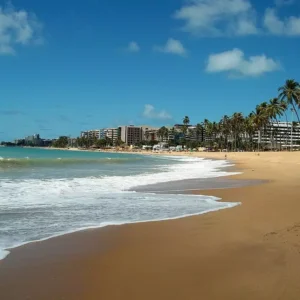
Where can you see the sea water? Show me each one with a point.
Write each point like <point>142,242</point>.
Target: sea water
<point>45,193</point>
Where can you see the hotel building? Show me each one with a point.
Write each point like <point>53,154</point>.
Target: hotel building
<point>131,135</point>
<point>279,135</point>
<point>91,134</point>
<point>111,133</point>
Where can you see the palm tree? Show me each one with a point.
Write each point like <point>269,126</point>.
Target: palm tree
<point>186,121</point>
<point>199,132</point>
<point>166,133</point>
<point>173,132</point>
<point>275,110</point>
<point>266,117</point>
<point>215,130</point>
<point>212,131</point>
<point>109,141</point>
<point>284,106</point>
<point>208,130</point>
<point>237,121</point>
<point>119,142</point>
<point>291,93</point>
<point>162,133</point>
<point>225,129</point>
<point>260,118</point>
<point>249,130</point>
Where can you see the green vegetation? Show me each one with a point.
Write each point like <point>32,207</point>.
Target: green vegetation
<point>290,93</point>
<point>84,142</point>
<point>61,142</point>
<point>237,132</point>
<point>163,133</point>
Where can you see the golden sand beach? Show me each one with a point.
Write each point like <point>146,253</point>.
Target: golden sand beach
<point>251,251</point>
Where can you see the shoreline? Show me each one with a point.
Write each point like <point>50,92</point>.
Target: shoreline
<point>250,252</point>
<point>108,224</point>
<point>142,152</point>
<point>219,182</point>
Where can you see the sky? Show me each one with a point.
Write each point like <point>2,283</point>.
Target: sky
<point>68,66</point>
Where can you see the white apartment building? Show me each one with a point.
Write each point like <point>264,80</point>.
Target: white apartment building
<point>111,133</point>
<point>91,134</point>
<point>279,135</point>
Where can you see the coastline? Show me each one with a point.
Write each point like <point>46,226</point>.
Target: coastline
<point>246,249</point>
<point>188,186</point>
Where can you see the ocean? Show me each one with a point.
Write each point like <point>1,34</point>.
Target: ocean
<point>46,193</point>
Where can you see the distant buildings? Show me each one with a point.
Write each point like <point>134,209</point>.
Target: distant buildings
<point>278,135</point>
<point>131,135</point>
<point>20,142</point>
<point>90,134</point>
<point>111,133</point>
<point>72,142</point>
<point>193,134</point>
<point>33,140</point>
<point>179,127</point>
<point>150,134</point>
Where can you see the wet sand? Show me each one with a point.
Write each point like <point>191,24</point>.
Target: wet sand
<point>251,251</point>
<point>189,186</point>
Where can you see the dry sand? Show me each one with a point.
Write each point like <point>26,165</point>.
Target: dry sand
<point>248,252</point>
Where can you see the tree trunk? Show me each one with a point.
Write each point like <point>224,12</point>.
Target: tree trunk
<point>279,134</point>
<point>295,111</point>
<point>286,134</point>
<point>259,139</point>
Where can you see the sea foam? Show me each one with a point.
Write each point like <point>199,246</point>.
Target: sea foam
<point>35,209</point>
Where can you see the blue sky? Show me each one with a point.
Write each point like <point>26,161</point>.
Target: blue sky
<point>70,66</point>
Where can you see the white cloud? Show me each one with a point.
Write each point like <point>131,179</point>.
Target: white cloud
<point>133,47</point>
<point>272,22</point>
<point>218,17</point>
<point>235,64</point>
<point>235,18</point>
<point>17,27</point>
<point>274,25</point>
<point>151,113</point>
<point>172,46</point>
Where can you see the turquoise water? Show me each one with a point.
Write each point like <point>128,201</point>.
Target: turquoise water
<point>45,193</point>
<point>48,163</point>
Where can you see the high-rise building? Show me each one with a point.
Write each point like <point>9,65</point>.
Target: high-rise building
<point>33,140</point>
<point>150,133</point>
<point>91,134</point>
<point>131,135</point>
<point>279,135</point>
<point>111,133</point>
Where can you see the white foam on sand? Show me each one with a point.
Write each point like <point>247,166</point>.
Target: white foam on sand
<point>34,209</point>
<point>5,252</point>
